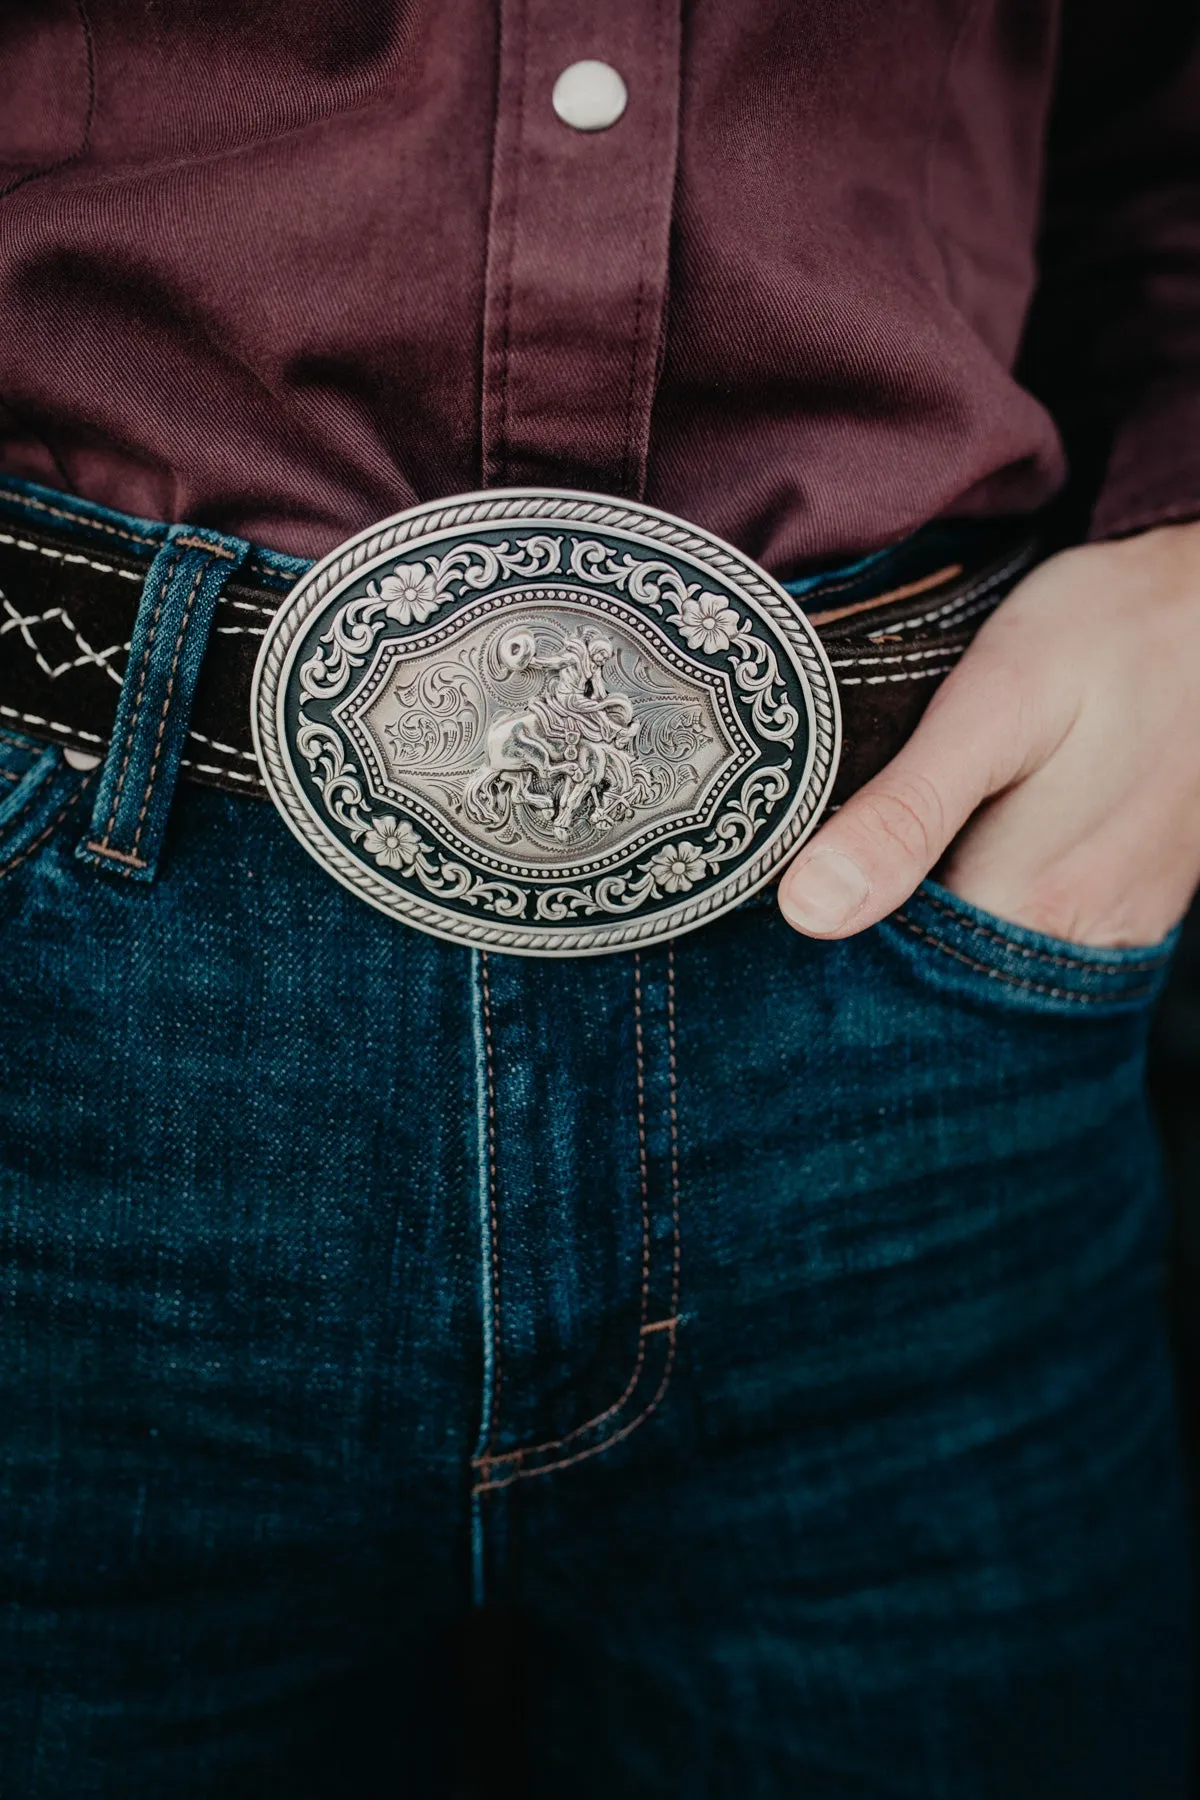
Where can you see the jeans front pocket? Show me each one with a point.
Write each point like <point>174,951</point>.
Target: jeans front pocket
<point>39,795</point>
<point>958,947</point>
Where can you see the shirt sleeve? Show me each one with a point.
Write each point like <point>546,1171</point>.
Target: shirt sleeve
<point>1114,339</point>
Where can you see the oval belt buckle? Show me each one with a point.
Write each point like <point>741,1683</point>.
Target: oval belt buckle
<point>544,722</point>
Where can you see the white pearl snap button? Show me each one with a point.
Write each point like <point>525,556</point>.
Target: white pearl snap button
<point>590,96</point>
<point>80,759</point>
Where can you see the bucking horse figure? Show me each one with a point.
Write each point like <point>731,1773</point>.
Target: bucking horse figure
<point>570,755</point>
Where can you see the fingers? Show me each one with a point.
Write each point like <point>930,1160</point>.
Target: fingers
<point>868,858</point>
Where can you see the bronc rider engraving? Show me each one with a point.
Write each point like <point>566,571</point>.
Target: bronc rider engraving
<point>569,758</point>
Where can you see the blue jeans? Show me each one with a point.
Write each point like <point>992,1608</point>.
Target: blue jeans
<point>770,1331</point>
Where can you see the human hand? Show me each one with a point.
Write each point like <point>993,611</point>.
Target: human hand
<point>1055,778</point>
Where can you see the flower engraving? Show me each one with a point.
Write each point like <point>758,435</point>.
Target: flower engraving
<point>411,593</point>
<point>706,622</point>
<point>392,842</point>
<point>678,867</point>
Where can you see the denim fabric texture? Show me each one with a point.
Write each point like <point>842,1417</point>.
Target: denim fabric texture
<point>773,1328</point>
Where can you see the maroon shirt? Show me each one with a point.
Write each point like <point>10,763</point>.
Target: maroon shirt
<point>282,268</point>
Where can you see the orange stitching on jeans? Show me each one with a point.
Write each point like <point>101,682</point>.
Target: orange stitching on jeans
<point>1047,956</point>
<point>551,1468</point>
<point>488,1461</point>
<point>1034,987</point>
<point>118,856</point>
<point>191,543</point>
<point>81,518</point>
<point>485,993</point>
<point>137,704</point>
<point>56,821</point>
<point>669,1325</point>
<point>162,723</point>
<point>673,1108</point>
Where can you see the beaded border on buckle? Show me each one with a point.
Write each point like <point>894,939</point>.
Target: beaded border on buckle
<point>545,723</point>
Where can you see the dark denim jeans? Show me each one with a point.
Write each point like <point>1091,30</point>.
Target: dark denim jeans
<point>771,1328</point>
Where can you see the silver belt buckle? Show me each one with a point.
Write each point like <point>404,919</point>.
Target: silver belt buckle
<point>548,723</point>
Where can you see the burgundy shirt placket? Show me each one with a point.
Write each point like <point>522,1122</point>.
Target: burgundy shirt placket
<point>578,246</point>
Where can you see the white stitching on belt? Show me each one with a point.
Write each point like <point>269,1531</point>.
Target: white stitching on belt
<point>185,762</point>
<point>68,556</point>
<point>226,749</point>
<point>10,712</point>
<point>982,587</point>
<point>249,606</point>
<point>860,662</point>
<point>908,675</point>
<point>87,653</point>
<point>124,574</point>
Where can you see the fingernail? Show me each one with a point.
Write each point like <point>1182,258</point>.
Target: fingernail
<point>824,893</point>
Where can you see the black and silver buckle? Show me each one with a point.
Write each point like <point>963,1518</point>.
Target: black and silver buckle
<point>548,723</point>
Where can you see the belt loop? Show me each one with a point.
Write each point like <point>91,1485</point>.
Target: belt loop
<point>170,636</point>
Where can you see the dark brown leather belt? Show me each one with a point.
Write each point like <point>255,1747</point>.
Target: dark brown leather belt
<point>67,607</point>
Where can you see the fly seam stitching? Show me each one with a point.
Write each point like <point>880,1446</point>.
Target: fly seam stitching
<point>486,1461</point>
<point>669,1325</point>
<point>551,1468</point>
<point>673,1109</point>
<point>493,1227</point>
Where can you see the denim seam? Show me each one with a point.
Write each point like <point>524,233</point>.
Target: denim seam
<point>644,1186</point>
<point>1033,987</point>
<point>166,706</point>
<point>102,847</point>
<point>1046,956</point>
<point>493,1220</point>
<point>77,518</point>
<point>646,1329</point>
<point>48,831</point>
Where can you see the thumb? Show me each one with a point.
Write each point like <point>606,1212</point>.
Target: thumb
<point>868,859</point>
